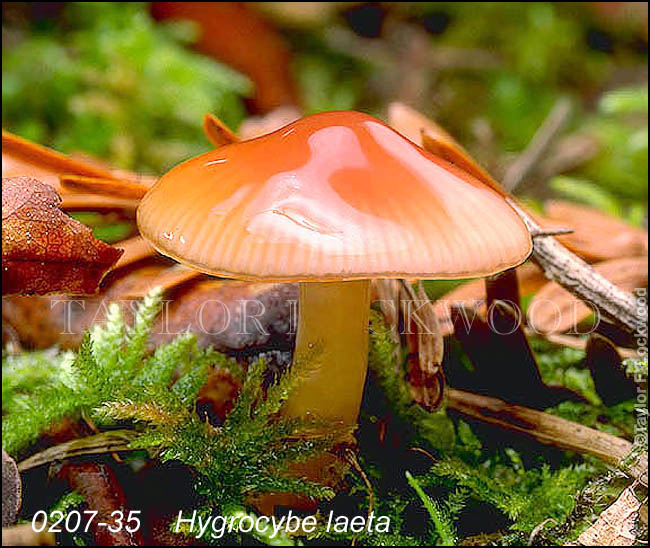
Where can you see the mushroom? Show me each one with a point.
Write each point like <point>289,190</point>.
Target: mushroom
<point>331,201</point>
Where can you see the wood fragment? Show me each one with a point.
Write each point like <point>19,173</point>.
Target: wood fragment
<point>11,490</point>
<point>105,442</point>
<point>551,430</point>
<point>616,525</point>
<point>575,275</point>
<point>24,535</point>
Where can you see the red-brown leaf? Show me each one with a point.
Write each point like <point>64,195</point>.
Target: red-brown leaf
<point>44,250</point>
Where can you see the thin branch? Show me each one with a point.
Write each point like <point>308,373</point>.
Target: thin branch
<point>525,162</point>
<point>575,275</point>
<point>24,535</point>
<point>551,430</point>
<point>106,442</point>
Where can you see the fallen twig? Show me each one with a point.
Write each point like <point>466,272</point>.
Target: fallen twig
<point>106,442</point>
<point>101,490</point>
<point>571,272</point>
<point>551,430</point>
<point>549,129</point>
<point>24,535</point>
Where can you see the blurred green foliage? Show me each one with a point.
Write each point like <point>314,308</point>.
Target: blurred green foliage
<point>107,80</point>
<point>538,52</point>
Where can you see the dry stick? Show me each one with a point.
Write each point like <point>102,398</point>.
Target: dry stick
<point>575,275</point>
<point>552,125</point>
<point>551,430</point>
<point>106,442</point>
<point>24,535</point>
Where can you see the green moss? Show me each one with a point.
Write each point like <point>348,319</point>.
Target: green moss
<point>109,81</point>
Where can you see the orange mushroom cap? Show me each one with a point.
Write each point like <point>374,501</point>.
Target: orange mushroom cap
<point>332,196</point>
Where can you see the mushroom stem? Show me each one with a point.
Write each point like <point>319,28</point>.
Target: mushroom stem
<point>333,317</point>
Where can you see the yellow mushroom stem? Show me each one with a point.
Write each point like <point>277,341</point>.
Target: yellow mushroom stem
<point>333,322</point>
<point>333,319</point>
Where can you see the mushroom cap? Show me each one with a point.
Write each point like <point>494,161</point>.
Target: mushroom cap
<point>332,196</point>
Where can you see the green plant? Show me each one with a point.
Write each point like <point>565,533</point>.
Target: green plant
<point>114,379</point>
<point>105,79</point>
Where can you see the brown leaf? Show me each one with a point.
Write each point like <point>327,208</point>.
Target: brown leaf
<point>105,187</point>
<point>530,279</point>
<point>173,276</point>
<point>98,203</point>
<point>555,310</point>
<point>596,236</point>
<point>44,250</point>
<point>23,158</point>
<point>217,132</point>
<point>135,249</point>
<point>255,126</point>
<point>616,525</point>
<point>421,338</point>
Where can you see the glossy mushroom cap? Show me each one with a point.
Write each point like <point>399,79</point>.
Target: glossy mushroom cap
<point>332,196</point>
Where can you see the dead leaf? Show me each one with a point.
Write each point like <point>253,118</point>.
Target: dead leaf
<point>172,276</point>
<point>255,126</point>
<point>421,338</point>
<point>596,236</point>
<point>135,249</point>
<point>217,132</point>
<point>616,525</point>
<point>104,187</point>
<point>23,158</point>
<point>44,250</point>
<point>472,294</point>
<point>555,310</point>
<point>410,123</point>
